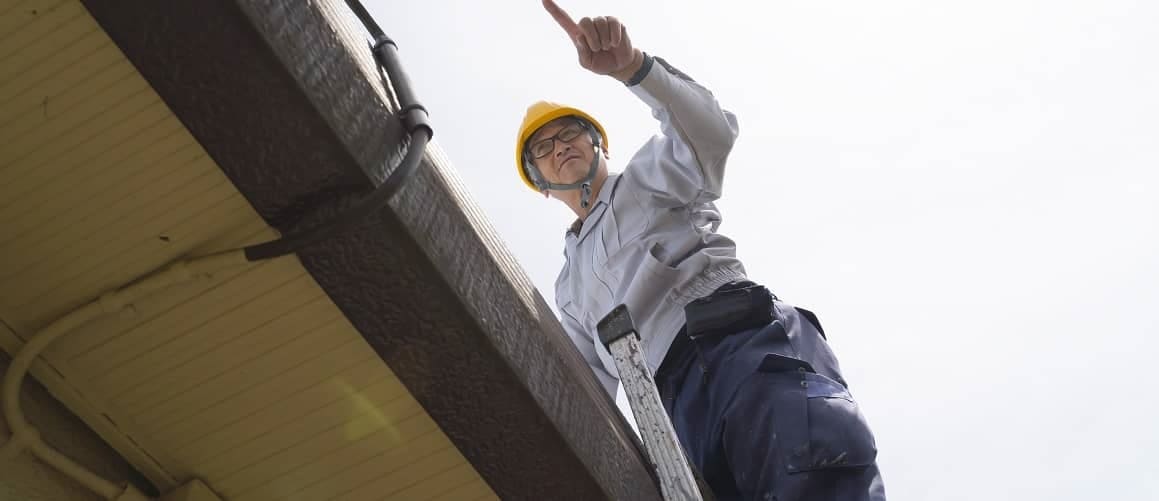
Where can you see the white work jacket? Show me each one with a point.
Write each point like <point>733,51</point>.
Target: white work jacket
<point>650,240</point>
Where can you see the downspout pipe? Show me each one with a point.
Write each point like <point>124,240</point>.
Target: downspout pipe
<point>25,437</point>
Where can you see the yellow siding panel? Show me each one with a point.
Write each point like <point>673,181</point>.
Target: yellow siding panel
<point>17,13</point>
<point>39,105</point>
<point>221,372</point>
<point>37,229</point>
<point>68,115</point>
<point>174,303</point>
<point>322,456</point>
<point>382,404</point>
<point>163,240</point>
<point>114,259</point>
<point>36,197</point>
<point>111,344</point>
<point>449,476</point>
<point>28,87</point>
<point>350,477</point>
<point>388,484</point>
<point>73,266</point>
<point>99,158</point>
<point>23,159</point>
<point>247,377</point>
<point>52,28</point>
<point>112,155</point>
<point>73,69</point>
<point>248,232</point>
<point>474,490</point>
<point>250,337</point>
<point>277,400</point>
<point>144,357</point>
<point>121,97</point>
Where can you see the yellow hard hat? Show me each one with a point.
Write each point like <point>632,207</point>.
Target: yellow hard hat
<point>539,114</point>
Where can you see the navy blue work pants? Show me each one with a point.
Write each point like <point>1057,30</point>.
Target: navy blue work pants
<point>764,414</point>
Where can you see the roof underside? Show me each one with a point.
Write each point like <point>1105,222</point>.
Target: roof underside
<point>253,381</point>
<point>409,359</point>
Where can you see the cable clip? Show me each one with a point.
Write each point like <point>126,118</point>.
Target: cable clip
<point>415,117</point>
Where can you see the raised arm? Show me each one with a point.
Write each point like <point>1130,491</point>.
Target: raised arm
<point>686,163</point>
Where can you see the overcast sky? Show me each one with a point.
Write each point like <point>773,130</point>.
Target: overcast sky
<point>966,193</point>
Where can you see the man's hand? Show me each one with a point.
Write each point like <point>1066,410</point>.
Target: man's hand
<point>602,43</point>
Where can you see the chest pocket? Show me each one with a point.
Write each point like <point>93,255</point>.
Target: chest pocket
<point>630,213</point>
<point>624,221</point>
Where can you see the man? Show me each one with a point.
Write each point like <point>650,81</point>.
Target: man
<point>752,388</point>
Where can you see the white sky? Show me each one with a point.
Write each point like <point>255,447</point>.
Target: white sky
<point>966,193</point>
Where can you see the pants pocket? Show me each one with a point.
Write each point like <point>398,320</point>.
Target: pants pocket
<point>818,424</point>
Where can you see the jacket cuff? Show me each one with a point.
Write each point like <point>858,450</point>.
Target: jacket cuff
<point>655,85</point>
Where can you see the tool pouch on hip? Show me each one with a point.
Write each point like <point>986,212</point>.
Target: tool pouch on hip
<point>729,311</point>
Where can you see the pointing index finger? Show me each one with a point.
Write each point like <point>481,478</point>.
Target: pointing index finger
<point>565,21</point>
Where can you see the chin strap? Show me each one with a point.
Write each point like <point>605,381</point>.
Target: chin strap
<point>585,184</point>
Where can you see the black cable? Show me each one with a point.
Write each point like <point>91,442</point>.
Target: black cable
<point>378,199</point>
<point>415,121</point>
<point>364,16</point>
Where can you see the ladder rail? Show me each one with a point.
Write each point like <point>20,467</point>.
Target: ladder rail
<point>678,480</point>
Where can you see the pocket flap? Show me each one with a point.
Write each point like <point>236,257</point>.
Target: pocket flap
<point>780,363</point>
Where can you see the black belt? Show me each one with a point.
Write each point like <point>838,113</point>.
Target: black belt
<point>682,343</point>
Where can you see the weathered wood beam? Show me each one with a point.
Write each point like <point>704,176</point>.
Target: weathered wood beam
<point>285,98</point>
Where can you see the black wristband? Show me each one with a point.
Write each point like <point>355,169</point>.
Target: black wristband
<point>642,72</point>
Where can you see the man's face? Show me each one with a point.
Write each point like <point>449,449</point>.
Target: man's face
<point>562,150</point>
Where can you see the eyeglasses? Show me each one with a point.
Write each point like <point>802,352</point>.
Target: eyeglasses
<point>544,147</point>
